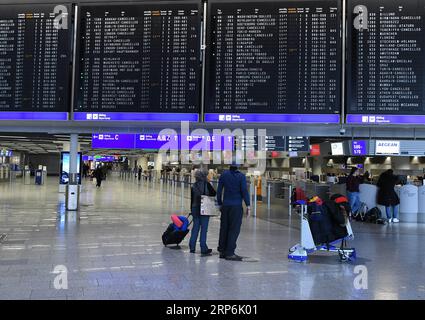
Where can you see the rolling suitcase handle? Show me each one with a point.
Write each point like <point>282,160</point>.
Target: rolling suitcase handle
<point>190,214</point>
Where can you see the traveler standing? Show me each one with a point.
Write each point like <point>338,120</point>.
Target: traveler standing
<point>85,170</point>
<point>387,196</point>
<point>200,222</point>
<point>353,191</point>
<point>235,190</point>
<point>366,177</point>
<point>139,173</point>
<point>98,174</point>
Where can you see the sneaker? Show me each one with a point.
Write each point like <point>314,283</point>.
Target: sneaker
<point>207,253</point>
<point>234,258</point>
<point>389,220</point>
<point>395,220</point>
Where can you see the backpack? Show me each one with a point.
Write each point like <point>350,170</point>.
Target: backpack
<point>374,215</point>
<point>360,214</point>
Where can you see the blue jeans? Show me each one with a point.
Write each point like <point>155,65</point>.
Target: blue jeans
<point>395,211</point>
<point>354,198</point>
<point>199,223</point>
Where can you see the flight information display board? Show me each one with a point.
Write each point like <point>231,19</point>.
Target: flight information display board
<point>386,62</point>
<point>272,143</point>
<point>35,57</point>
<point>158,141</point>
<point>139,62</point>
<point>297,144</point>
<point>273,61</point>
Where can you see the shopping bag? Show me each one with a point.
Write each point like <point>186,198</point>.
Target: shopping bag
<point>209,206</point>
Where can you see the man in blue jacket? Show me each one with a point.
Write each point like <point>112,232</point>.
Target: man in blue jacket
<point>235,190</point>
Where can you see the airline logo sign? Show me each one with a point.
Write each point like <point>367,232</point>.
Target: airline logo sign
<point>387,147</point>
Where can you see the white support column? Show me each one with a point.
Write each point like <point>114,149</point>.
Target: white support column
<point>73,190</point>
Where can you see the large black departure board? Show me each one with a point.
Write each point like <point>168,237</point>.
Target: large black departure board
<point>142,57</point>
<point>278,57</point>
<point>386,61</point>
<point>35,58</point>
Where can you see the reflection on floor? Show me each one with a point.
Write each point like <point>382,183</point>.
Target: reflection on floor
<point>112,250</point>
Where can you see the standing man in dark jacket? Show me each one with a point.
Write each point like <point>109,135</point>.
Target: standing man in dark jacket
<point>387,196</point>
<point>235,190</point>
<point>199,188</point>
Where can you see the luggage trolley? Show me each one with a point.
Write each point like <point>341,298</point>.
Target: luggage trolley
<point>300,251</point>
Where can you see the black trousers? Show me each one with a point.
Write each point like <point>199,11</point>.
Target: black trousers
<point>230,227</point>
<point>98,182</point>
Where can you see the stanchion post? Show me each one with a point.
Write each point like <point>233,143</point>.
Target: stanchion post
<point>182,192</point>
<point>251,191</point>
<point>255,199</point>
<point>289,200</point>
<point>268,195</point>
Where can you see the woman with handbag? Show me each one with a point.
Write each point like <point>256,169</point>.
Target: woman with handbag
<point>200,221</point>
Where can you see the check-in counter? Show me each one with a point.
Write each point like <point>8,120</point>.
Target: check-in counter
<point>280,195</point>
<point>338,189</point>
<point>317,189</point>
<point>277,191</point>
<point>280,191</point>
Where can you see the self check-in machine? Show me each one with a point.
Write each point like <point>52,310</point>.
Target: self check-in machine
<point>72,194</point>
<point>40,175</point>
<point>27,175</point>
<point>70,182</point>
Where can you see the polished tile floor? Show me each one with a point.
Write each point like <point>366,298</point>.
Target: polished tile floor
<point>112,250</point>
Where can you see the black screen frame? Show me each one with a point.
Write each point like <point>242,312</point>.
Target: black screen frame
<point>207,80</point>
<point>78,68</point>
<point>68,86</point>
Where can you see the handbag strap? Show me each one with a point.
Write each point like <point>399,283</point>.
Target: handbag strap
<point>204,192</point>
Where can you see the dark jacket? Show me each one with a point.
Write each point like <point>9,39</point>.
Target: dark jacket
<point>339,229</point>
<point>235,189</point>
<point>386,194</point>
<point>98,174</point>
<point>200,188</point>
<point>327,222</point>
<point>353,183</point>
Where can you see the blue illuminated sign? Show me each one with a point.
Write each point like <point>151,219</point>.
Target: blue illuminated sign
<point>40,116</point>
<point>358,148</point>
<point>273,118</point>
<point>113,141</point>
<point>128,116</point>
<point>385,119</point>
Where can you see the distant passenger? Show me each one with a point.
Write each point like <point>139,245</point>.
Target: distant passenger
<point>200,222</point>
<point>353,191</point>
<point>98,174</point>
<point>85,170</point>
<point>387,196</point>
<point>366,176</point>
<point>235,190</point>
<point>139,173</point>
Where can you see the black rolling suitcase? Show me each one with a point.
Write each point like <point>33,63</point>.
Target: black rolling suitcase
<point>174,236</point>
